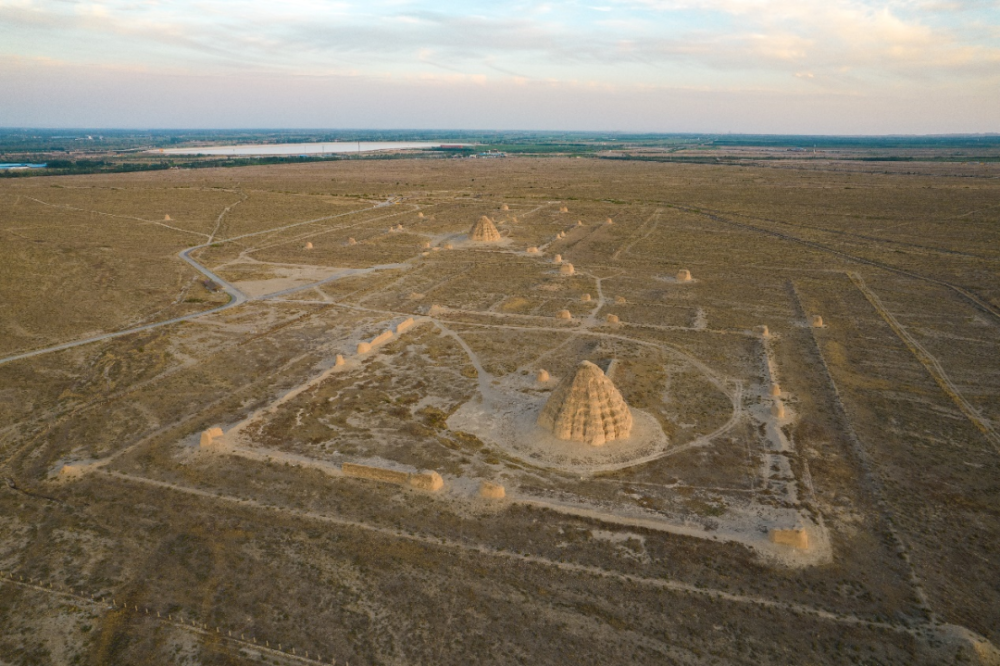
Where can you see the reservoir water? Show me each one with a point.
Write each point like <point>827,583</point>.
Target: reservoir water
<point>299,148</point>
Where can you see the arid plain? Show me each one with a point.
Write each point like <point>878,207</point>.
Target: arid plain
<point>812,474</point>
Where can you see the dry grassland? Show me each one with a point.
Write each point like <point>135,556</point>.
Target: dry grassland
<point>888,450</point>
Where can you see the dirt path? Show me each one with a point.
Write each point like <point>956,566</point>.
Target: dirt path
<point>873,481</point>
<point>444,542</point>
<point>931,363</point>
<point>974,300</point>
<point>218,220</point>
<point>236,296</point>
<point>248,646</point>
<point>123,217</point>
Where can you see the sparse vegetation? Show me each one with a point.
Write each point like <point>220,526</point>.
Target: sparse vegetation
<point>901,478</point>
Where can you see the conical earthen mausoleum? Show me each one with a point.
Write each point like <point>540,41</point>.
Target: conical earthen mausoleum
<point>484,231</point>
<point>587,408</point>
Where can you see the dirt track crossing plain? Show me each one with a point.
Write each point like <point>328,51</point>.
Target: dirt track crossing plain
<point>289,414</point>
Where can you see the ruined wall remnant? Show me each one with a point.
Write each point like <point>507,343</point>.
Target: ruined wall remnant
<point>683,275</point>
<point>796,537</point>
<point>403,325</point>
<point>209,436</point>
<point>375,473</point>
<point>429,480</point>
<point>71,471</point>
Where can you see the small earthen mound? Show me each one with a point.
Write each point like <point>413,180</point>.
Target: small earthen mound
<point>609,221</point>
<point>775,391</point>
<point>490,490</point>
<point>557,259</point>
<point>778,409</point>
<point>420,215</point>
<point>579,223</point>
<point>564,314</point>
<point>166,218</point>
<point>71,471</point>
<point>620,300</point>
<point>426,245</point>
<point>351,241</point>
<point>339,361</point>
<point>209,436</point>
<point>532,250</point>
<point>585,298</point>
<point>505,207</point>
<point>415,296</point>
<point>683,275</point>
<point>765,333</point>
<point>484,231</point>
<point>816,321</point>
<point>543,376</point>
<point>364,347</point>
<point>566,269</point>
<point>587,408</point>
<point>613,319</point>
<point>563,209</point>
<point>796,538</point>
<point>448,246</point>
<point>309,246</point>
<point>437,310</point>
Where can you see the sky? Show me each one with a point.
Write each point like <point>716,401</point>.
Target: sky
<point>754,66</point>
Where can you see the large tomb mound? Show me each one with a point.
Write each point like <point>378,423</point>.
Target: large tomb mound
<point>587,408</point>
<point>484,231</point>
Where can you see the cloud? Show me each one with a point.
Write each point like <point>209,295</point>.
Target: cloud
<point>46,93</point>
<point>786,46</point>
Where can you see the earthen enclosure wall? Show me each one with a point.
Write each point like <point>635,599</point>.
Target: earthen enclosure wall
<point>375,473</point>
